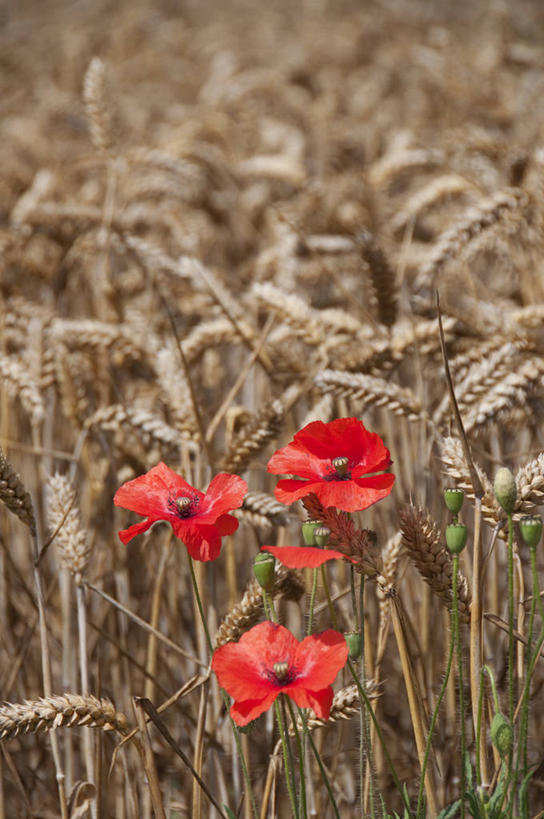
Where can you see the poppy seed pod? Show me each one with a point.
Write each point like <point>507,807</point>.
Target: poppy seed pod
<point>308,529</point>
<point>264,570</point>
<point>353,639</point>
<point>531,530</point>
<point>321,535</point>
<point>505,489</point>
<point>456,537</point>
<point>453,498</point>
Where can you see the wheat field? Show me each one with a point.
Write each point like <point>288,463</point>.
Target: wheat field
<point>218,223</point>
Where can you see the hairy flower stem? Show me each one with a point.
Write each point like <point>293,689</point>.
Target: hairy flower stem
<point>437,708</point>
<point>224,694</point>
<point>84,672</point>
<point>330,604</point>
<point>300,748</point>
<point>457,643</point>
<point>363,694</point>
<point>289,777</point>
<point>475,650</point>
<point>483,671</point>
<point>312,603</point>
<point>366,774</point>
<point>524,733</point>
<point>319,761</point>
<point>510,620</point>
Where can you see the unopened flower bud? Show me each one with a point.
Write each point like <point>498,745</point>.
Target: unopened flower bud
<point>353,639</point>
<point>321,535</point>
<point>505,489</point>
<point>264,570</point>
<point>531,530</point>
<point>308,529</point>
<point>502,734</point>
<point>456,537</point>
<point>453,499</point>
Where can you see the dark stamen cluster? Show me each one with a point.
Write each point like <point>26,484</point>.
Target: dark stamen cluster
<point>282,673</point>
<point>183,506</point>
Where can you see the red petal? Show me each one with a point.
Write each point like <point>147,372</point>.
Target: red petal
<point>225,492</point>
<point>148,494</point>
<point>127,534</point>
<point>226,525</point>
<point>203,542</point>
<point>304,557</point>
<point>247,710</point>
<point>243,668</point>
<point>319,701</point>
<point>294,459</point>
<point>289,490</point>
<point>321,656</point>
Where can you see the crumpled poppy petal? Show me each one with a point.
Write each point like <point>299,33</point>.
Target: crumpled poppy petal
<point>319,701</point>
<point>246,711</point>
<point>226,524</point>
<point>320,655</point>
<point>203,542</point>
<point>137,529</point>
<point>224,493</point>
<point>148,494</point>
<point>296,460</point>
<point>304,557</point>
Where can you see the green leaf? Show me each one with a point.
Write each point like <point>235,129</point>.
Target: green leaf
<point>450,811</point>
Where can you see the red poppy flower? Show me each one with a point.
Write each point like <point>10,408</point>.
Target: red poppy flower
<point>199,519</point>
<point>269,660</point>
<point>304,557</point>
<point>338,462</point>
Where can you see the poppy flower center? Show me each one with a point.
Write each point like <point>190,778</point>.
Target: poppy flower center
<point>282,674</point>
<point>341,472</point>
<point>183,506</point>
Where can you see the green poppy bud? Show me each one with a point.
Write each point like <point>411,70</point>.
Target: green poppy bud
<point>264,570</point>
<point>456,537</point>
<point>353,639</point>
<point>505,489</point>
<point>321,535</point>
<point>531,530</point>
<point>502,734</point>
<point>308,529</point>
<point>453,499</point>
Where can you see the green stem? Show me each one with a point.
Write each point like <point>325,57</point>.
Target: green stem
<point>485,669</point>
<point>379,733</point>
<point>225,696</point>
<point>319,761</point>
<point>312,602</point>
<point>329,599</point>
<point>524,729</point>
<point>437,708</point>
<point>457,642</point>
<point>510,622</point>
<point>300,748</point>
<point>289,778</point>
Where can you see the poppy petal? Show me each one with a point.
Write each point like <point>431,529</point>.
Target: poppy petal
<point>294,459</point>
<point>245,711</point>
<point>319,701</point>
<point>224,493</point>
<point>148,494</point>
<point>226,524</point>
<point>202,542</point>
<point>127,534</point>
<point>304,557</point>
<point>321,656</point>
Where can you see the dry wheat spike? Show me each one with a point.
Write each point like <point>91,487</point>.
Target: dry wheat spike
<point>15,377</point>
<point>451,453</point>
<point>266,506</point>
<point>473,221</point>
<point>422,540</point>
<point>115,418</point>
<point>66,710</point>
<point>292,309</point>
<point>511,391</point>
<point>434,192</point>
<point>368,390</point>
<point>95,97</point>
<point>345,704</point>
<point>14,495</point>
<point>63,517</point>
<point>254,437</point>
<point>382,278</point>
